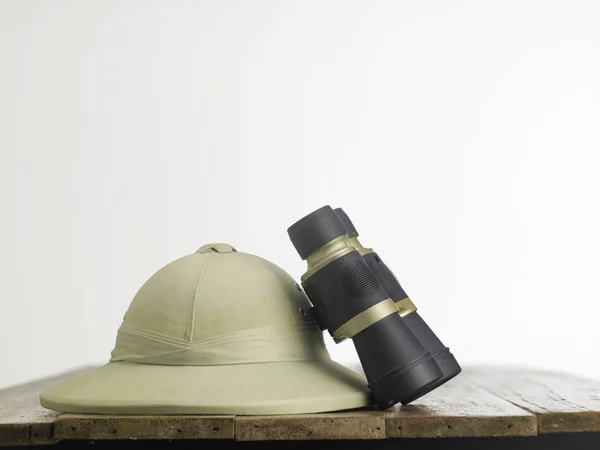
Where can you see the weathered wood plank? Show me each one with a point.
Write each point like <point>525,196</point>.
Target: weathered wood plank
<point>562,403</point>
<point>23,421</point>
<point>458,409</point>
<point>92,426</point>
<point>342,425</point>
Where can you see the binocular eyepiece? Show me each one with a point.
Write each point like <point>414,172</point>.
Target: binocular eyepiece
<point>351,301</point>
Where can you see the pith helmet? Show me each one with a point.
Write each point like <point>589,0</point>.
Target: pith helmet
<point>215,332</point>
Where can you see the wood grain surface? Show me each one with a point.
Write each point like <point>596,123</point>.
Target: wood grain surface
<point>459,409</point>
<point>341,425</point>
<point>562,403</point>
<point>480,402</point>
<point>96,426</point>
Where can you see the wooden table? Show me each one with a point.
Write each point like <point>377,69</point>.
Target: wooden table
<point>482,407</point>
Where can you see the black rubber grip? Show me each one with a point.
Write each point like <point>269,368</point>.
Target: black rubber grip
<point>386,277</point>
<point>343,289</point>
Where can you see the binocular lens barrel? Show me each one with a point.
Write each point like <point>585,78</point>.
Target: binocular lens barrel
<point>352,303</point>
<point>407,309</point>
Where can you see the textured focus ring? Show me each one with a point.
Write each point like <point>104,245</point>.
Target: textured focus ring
<point>365,319</point>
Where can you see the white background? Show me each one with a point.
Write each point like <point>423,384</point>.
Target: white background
<point>462,138</point>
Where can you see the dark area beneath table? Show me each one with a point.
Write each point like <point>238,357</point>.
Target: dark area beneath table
<point>570,441</point>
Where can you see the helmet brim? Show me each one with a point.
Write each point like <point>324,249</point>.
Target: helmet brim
<point>296,387</point>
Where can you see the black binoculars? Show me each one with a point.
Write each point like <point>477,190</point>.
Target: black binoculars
<point>354,295</point>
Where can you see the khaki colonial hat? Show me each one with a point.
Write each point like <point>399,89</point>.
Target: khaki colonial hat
<point>215,332</point>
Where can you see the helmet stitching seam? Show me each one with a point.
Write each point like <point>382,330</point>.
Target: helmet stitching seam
<point>191,334</point>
